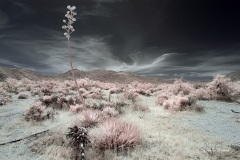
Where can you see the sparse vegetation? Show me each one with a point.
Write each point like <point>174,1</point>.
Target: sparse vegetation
<point>38,112</point>
<point>110,136</point>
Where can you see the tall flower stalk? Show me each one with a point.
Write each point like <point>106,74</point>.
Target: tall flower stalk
<point>69,30</point>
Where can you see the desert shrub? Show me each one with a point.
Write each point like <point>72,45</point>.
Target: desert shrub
<point>94,93</point>
<point>119,106</point>
<point>116,90</point>
<point>131,94</point>
<point>97,106</point>
<point>22,95</point>
<point>201,94</point>
<point>90,117</point>
<point>36,91</point>
<point>76,108</point>
<point>4,97</point>
<point>141,88</point>
<point>184,87</point>
<point>109,112</point>
<point>38,112</point>
<point>46,91</point>
<point>222,88</point>
<point>12,85</point>
<point>60,101</point>
<point>47,100</point>
<point>160,99</point>
<point>178,103</point>
<point>140,107</point>
<point>4,100</point>
<point>115,135</point>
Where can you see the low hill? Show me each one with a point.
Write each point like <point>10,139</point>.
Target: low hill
<point>99,75</point>
<point>111,76</point>
<point>234,76</point>
<point>19,73</point>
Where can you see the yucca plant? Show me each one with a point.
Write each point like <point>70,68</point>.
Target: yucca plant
<point>69,30</point>
<point>79,139</point>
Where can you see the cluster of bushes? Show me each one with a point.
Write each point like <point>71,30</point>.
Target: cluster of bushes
<point>37,112</point>
<point>183,95</point>
<point>4,97</point>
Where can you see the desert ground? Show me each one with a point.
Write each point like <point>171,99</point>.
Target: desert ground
<point>132,121</point>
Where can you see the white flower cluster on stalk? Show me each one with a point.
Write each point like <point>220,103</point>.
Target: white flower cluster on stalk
<point>70,17</point>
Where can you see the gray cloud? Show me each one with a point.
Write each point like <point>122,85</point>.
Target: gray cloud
<point>151,38</point>
<point>3,19</point>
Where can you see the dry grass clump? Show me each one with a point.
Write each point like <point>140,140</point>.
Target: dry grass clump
<point>54,145</point>
<point>94,154</point>
<point>110,112</point>
<point>115,135</point>
<point>217,153</point>
<point>90,117</point>
<point>119,106</point>
<point>140,107</point>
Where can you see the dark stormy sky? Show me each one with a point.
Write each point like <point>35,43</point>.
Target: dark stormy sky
<point>167,38</point>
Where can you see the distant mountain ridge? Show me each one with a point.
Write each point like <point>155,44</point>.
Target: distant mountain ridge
<point>112,76</point>
<point>234,76</point>
<point>100,75</point>
<point>19,73</point>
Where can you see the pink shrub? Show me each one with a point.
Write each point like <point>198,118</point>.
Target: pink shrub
<point>75,108</point>
<point>96,95</point>
<point>166,104</point>
<point>116,90</point>
<point>109,104</point>
<point>222,88</point>
<point>36,91</point>
<point>47,99</point>
<point>90,117</point>
<point>111,112</point>
<point>28,83</point>
<point>131,94</point>
<point>180,88</point>
<point>23,95</point>
<point>36,112</point>
<point>11,84</point>
<point>67,83</point>
<point>201,94</point>
<point>176,103</point>
<point>4,100</point>
<point>114,134</point>
<point>4,96</point>
<point>142,88</point>
<point>160,100</point>
<point>63,102</point>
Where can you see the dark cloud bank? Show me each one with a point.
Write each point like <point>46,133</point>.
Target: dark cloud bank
<point>167,38</point>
